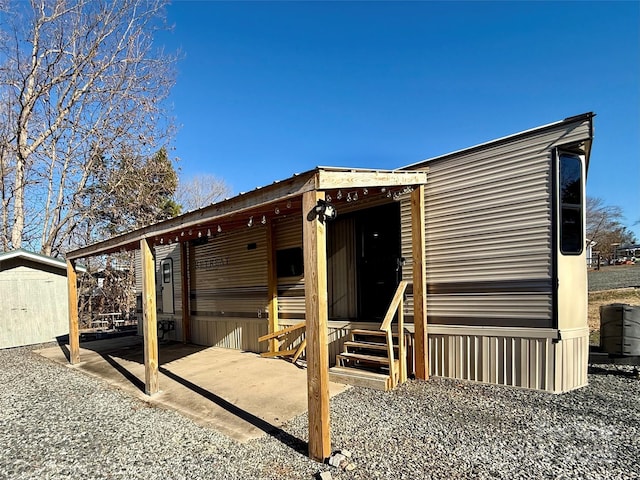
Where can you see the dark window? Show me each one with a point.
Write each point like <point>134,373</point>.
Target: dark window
<point>166,271</point>
<point>290,262</point>
<point>571,227</point>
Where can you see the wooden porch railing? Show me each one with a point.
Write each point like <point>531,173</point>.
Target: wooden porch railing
<point>396,306</point>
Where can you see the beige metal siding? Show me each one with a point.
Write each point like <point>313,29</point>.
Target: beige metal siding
<point>488,232</point>
<point>164,252</point>
<point>229,290</point>
<point>291,300</point>
<point>341,266</point>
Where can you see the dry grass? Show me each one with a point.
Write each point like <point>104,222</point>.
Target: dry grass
<point>605,297</point>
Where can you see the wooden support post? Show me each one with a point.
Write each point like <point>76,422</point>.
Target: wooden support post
<point>272,282</point>
<point>419,283</point>
<point>186,299</point>
<point>74,336</point>
<point>315,289</point>
<point>149,322</point>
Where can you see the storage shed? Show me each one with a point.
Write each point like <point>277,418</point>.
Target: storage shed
<point>33,298</point>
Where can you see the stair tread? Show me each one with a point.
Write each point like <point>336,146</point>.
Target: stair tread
<point>360,378</point>
<point>358,372</point>
<point>365,358</point>
<point>369,345</point>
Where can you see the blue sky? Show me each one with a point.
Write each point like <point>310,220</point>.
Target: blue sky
<point>268,89</point>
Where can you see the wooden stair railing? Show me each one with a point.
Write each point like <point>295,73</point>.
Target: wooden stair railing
<point>364,355</point>
<point>295,353</point>
<point>396,306</point>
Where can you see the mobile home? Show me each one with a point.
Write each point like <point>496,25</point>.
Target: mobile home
<point>479,252</point>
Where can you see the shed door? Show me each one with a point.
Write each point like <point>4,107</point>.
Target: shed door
<point>166,287</point>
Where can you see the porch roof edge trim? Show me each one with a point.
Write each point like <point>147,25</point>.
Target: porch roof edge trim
<point>320,178</point>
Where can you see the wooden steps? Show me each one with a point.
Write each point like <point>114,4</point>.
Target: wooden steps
<point>360,378</point>
<point>365,361</point>
<point>363,358</point>
<point>368,346</point>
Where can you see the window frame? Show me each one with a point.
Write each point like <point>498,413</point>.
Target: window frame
<point>565,244</point>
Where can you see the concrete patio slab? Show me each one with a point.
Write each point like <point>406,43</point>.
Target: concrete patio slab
<point>239,394</point>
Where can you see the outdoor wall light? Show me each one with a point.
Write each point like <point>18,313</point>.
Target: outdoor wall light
<point>323,211</point>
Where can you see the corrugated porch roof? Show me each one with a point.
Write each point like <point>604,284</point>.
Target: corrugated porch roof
<point>233,212</point>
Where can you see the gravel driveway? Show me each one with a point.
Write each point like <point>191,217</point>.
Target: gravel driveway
<point>56,422</point>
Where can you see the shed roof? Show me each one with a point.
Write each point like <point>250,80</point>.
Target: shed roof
<point>21,253</point>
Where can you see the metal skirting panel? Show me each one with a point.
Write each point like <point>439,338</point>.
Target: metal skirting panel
<point>533,363</point>
<point>234,333</point>
<point>572,359</point>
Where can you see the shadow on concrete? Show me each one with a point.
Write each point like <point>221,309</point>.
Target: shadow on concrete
<point>139,384</point>
<point>278,433</point>
<point>132,349</point>
<point>63,340</point>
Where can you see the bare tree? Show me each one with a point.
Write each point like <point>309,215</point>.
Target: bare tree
<point>80,85</point>
<point>601,217</point>
<point>604,226</point>
<point>200,191</point>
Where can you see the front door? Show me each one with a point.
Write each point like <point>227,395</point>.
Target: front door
<point>379,263</point>
<point>166,287</point>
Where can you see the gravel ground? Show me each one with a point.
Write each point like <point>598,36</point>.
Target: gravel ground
<point>618,276</point>
<point>56,422</point>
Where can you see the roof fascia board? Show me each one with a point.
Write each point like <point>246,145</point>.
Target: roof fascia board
<point>329,179</point>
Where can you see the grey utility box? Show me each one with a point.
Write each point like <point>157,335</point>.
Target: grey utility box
<point>620,329</point>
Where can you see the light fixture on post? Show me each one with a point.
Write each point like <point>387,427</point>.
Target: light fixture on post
<point>323,211</point>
